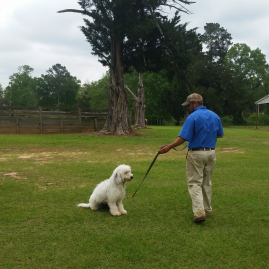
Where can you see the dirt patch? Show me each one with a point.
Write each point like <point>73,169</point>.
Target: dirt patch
<point>140,154</point>
<point>141,148</point>
<point>44,187</point>
<point>13,174</point>
<point>36,149</point>
<point>43,156</point>
<point>236,150</point>
<point>25,156</point>
<point>46,159</point>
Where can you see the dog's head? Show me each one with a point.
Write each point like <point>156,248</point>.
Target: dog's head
<point>123,173</point>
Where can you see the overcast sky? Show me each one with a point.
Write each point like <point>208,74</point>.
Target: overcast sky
<point>32,33</point>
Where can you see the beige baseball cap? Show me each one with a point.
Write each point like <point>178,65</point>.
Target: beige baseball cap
<point>194,97</point>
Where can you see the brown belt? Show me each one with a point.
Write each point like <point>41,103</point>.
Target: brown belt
<point>202,149</point>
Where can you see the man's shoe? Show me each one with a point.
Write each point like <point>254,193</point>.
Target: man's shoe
<point>199,220</point>
<point>208,214</point>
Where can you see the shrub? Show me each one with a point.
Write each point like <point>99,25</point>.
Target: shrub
<point>262,119</point>
<point>251,120</point>
<point>227,120</point>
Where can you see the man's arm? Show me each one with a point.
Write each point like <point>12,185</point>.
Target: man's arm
<point>220,136</point>
<point>176,143</point>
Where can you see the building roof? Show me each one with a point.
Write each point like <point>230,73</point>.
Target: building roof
<point>264,100</point>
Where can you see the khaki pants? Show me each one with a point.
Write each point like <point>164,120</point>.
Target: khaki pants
<point>199,168</point>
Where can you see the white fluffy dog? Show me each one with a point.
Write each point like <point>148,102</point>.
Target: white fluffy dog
<point>111,191</point>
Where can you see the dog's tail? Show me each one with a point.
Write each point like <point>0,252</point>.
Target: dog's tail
<point>84,205</point>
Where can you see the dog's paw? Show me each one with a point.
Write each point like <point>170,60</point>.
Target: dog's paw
<point>124,212</point>
<point>115,213</point>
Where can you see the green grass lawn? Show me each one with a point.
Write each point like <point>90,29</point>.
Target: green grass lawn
<point>44,177</point>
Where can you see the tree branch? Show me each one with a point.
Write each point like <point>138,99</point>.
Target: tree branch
<point>107,85</point>
<point>133,95</point>
<point>179,9</point>
<point>75,10</point>
<point>186,2</point>
<point>154,15</point>
<point>84,12</point>
<point>107,58</point>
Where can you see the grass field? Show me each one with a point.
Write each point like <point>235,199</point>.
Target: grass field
<point>44,177</point>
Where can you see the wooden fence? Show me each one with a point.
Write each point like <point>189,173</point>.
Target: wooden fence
<point>50,120</point>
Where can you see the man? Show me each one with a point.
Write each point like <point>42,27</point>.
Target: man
<point>201,129</point>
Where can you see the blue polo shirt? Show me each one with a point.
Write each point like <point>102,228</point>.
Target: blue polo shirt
<point>201,128</point>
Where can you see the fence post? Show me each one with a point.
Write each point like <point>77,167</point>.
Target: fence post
<point>17,125</point>
<point>95,124</point>
<point>11,109</point>
<point>40,120</point>
<point>79,119</point>
<point>62,126</point>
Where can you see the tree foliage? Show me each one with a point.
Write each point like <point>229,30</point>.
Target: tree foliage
<point>172,51</point>
<point>217,41</point>
<point>252,65</point>
<point>224,92</point>
<point>94,95</point>
<point>2,96</point>
<point>155,85</point>
<point>21,88</point>
<point>57,87</point>
<point>216,75</point>
<point>131,22</point>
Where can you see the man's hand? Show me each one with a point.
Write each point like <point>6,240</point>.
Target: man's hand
<point>164,149</point>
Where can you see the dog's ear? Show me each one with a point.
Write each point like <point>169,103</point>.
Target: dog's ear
<point>117,178</point>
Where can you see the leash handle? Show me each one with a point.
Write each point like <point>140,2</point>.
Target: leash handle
<point>180,149</point>
<point>174,148</point>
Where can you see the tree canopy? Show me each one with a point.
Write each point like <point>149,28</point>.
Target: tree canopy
<point>94,95</point>
<point>252,65</point>
<point>58,87</point>
<point>21,87</point>
<point>217,41</point>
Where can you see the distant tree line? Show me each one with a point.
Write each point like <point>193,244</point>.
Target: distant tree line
<point>229,77</point>
<point>56,88</point>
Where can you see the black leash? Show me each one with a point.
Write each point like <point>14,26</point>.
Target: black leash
<point>150,168</point>
<point>145,175</point>
<point>180,149</point>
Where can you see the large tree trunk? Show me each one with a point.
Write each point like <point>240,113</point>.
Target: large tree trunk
<point>117,120</point>
<point>139,104</point>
